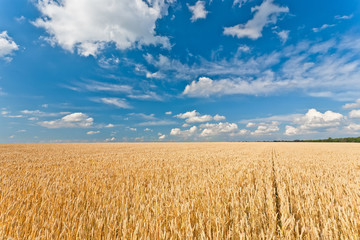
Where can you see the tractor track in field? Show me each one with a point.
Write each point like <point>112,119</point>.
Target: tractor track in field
<point>276,195</point>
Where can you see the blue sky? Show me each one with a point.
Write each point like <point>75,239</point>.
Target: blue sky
<point>166,70</point>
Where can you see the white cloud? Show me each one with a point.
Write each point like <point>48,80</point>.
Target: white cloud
<point>109,63</point>
<point>165,64</point>
<point>241,132</point>
<point>73,120</point>
<point>4,113</point>
<point>148,130</point>
<point>168,113</point>
<point>354,114</point>
<point>345,17</point>
<point>156,75</point>
<point>152,120</point>
<point>264,128</point>
<point>283,35</point>
<point>243,48</point>
<point>110,125</point>
<point>143,116</point>
<point>149,95</point>
<point>175,131</point>
<point>325,26</point>
<point>205,86</point>
<point>173,68</point>
<point>39,113</point>
<point>323,69</point>
<point>240,2</point>
<point>21,131</point>
<point>198,11</point>
<point>132,129</point>
<point>96,86</point>
<point>112,139</point>
<point>184,133</point>
<point>162,137</point>
<point>92,132</point>
<point>217,117</point>
<point>89,25</point>
<point>195,117</point>
<point>118,102</point>
<point>157,123</point>
<point>20,19</point>
<point>353,127</point>
<point>290,130</point>
<point>265,14</point>
<point>314,121</point>
<point>214,129</point>
<point>279,118</point>
<point>356,104</point>
<point>7,46</point>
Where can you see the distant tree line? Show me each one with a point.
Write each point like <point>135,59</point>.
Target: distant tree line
<point>347,139</point>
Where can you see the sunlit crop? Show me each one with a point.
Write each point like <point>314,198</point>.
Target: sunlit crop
<point>180,191</point>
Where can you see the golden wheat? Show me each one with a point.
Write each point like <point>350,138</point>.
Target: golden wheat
<point>180,191</point>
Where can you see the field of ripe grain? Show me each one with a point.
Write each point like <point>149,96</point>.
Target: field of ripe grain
<point>180,191</point>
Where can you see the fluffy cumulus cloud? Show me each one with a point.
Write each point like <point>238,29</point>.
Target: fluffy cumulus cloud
<point>290,130</point>
<point>7,46</point>
<point>214,129</point>
<point>87,26</point>
<point>264,128</point>
<point>353,127</point>
<point>266,13</point>
<point>218,117</point>
<point>73,120</point>
<point>354,114</point>
<point>208,129</point>
<point>185,133</point>
<point>195,117</point>
<point>314,121</point>
<point>198,11</point>
<point>356,104</point>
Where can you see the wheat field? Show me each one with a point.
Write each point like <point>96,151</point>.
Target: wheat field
<point>180,191</point>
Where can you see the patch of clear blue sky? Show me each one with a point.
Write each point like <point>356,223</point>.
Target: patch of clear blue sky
<point>43,74</point>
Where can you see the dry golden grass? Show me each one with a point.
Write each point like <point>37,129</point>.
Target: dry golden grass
<point>180,191</point>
